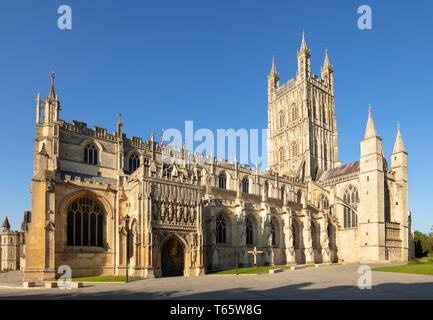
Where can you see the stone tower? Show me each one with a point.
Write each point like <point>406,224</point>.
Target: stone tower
<point>40,244</point>
<point>302,129</point>
<point>400,213</point>
<point>371,213</point>
<point>9,247</point>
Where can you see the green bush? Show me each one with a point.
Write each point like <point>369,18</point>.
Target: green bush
<point>423,244</point>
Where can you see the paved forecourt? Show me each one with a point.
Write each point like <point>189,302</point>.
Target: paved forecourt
<point>328,282</point>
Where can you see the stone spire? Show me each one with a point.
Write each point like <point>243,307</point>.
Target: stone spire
<point>6,226</point>
<point>326,64</point>
<point>120,126</point>
<point>52,93</point>
<point>273,69</point>
<point>303,43</point>
<point>370,131</point>
<point>399,145</point>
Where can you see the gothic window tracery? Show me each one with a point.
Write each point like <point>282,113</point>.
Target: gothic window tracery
<point>85,223</point>
<point>221,229</point>
<point>222,181</point>
<point>245,185</point>
<point>249,232</point>
<point>294,149</point>
<point>91,154</point>
<point>281,119</point>
<point>134,162</point>
<point>350,216</point>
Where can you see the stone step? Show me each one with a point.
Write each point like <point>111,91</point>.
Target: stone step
<point>51,284</point>
<point>297,267</point>
<point>276,270</point>
<point>318,265</point>
<point>29,284</point>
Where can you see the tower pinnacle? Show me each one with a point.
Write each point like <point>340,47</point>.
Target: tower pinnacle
<point>326,63</point>
<point>399,145</point>
<point>370,131</point>
<point>52,94</point>
<point>303,43</point>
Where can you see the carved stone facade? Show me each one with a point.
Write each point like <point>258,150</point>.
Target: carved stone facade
<point>187,218</point>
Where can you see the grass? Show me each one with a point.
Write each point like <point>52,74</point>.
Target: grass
<point>104,279</point>
<point>417,266</point>
<point>249,270</point>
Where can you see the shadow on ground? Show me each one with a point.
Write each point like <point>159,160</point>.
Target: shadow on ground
<point>288,292</point>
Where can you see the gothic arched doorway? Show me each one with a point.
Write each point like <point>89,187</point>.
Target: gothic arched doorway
<point>172,258</point>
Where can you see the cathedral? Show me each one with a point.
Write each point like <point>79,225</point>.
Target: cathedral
<point>103,203</point>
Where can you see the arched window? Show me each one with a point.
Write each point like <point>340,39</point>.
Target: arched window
<point>134,162</point>
<point>294,113</point>
<point>282,157</point>
<point>281,119</point>
<point>282,193</point>
<point>295,235</point>
<point>221,229</point>
<point>274,234</point>
<point>85,223</point>
<point>325,202</point>
<point>315,235</point>
<point>222,181</point>
<point>299,196</point>
<point>387,204</point>
<point>350,216</point>
<point>325,155</point>
<point>249,232</point>
<point>294,149</point>
<point>245,185</point>
<point>91,154</point>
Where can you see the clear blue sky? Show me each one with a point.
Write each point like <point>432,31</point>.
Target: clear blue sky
<point>163,62</point>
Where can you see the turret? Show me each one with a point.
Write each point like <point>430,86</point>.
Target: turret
<point>401,206</point>
<point>273,80</point>
<point>328,71</point>
<point>399,158</point>
<point>6,226</point>
<point>303,60</point>
<point>371,210</point>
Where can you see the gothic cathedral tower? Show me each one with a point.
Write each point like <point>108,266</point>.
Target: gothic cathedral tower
<point>302,129</point>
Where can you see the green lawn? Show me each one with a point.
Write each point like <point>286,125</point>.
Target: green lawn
<point>249,270</point>
<point>104,279</point>
<point>418,266</point>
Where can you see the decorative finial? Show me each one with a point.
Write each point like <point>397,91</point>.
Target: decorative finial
<point>120,118</point>
<point>369,108</point>
<point>398,125</point>
<point>52,94</point>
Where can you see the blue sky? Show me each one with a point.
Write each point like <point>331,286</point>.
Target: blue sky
<point>163,62</point>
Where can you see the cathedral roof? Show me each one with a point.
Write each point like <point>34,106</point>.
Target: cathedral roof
<point>339,171</point>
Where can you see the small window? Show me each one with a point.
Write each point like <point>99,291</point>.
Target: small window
<point>274,234</point>
<point>134,162</point>
<point>221,229</point>
<point>91,154</point>
<point>249,232</point>
<point>282,155</point>
<point>294,149</point>
<point>281,119</point>
<point>222,181</point>
<point>245,185</point>
<point>294,113</point>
